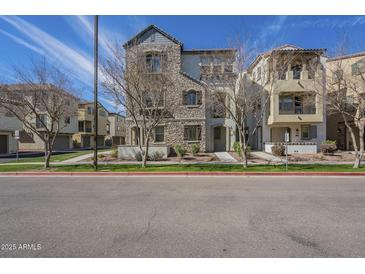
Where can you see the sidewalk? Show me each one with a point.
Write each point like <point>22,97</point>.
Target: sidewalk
<point>266,156</point>
<point>84,157</point>
<point>106,174</point>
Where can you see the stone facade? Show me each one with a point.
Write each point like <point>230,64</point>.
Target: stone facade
<point>179,114</point>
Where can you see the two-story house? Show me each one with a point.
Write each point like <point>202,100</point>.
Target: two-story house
<point>8,125</point>
<point>29,141</point>
<point>289,76</point>
<point>191,119</point>
<point>351,68</point>
<point>84,138</point>
<point>115,130</point>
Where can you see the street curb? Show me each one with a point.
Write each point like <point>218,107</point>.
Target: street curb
<point>101,174</point>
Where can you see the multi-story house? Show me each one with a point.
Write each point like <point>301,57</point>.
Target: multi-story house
<point>8,125</point>
<point>115,130</point>
<point>289,76</point>
<point>191,119</point>
<point>29,141</point>
<point>351,68</point>
<point>84,138</point>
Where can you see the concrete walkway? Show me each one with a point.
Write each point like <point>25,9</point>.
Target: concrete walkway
<point>84,157</point>
<point>266,156</point>
<point>225,157</point>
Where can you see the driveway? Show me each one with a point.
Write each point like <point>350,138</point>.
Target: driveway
<point>182,217</point>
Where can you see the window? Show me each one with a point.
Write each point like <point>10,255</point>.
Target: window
<point>153,62</point>
<point>41,120</point>
<point>159,134</point>
<point>191,98</point>
<point>90,110</point>
<point>67,120</point>
<point>308,132</point>
<point>108,129</point>
<point>228,66</point>
<point>81,126</point>
<point>286,104</point>
<point>88,126</point>
<point>192,133</point>
<point>296,71</point>
<point>358,67</point>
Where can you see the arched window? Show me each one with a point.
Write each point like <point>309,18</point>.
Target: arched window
<point>153,62</point>
<point>296,71</point>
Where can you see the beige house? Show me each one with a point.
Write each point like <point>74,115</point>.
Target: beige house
<point>8,125</point>
<point>30,141</point>
<point>349,67</point>
<point>115,130</point>
<point>288,74</point>
<point>84,138</point>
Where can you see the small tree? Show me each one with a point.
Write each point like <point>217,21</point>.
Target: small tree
<point>40,102</point>
<point>138,90</point>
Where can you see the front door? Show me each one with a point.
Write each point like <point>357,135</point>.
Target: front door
<point>3,144</point>
<point>219,138</point>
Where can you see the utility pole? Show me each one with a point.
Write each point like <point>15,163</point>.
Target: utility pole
<point>96,26</point>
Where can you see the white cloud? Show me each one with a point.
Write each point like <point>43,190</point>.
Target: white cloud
<point>22,42</point>
<point>75,62</point>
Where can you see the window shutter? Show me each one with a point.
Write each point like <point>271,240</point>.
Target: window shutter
<point>199,97</point>
<point>199,132</point>
<point>313,132</point>
<point>186,133</point>
<point>185,98</point>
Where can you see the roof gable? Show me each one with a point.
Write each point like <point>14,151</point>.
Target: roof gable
<point>152,34</point>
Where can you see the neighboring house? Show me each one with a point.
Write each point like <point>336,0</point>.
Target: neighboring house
<point>30,141</point>
<point>349,67</point>
<point>84,138</point>
<point>191,119</point>
<point>295,102</point>
<point>8,125</point>
<point>115,130</point>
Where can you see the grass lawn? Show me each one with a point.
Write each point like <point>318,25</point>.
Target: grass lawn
<point>55,158</point>
<point>186,168</point>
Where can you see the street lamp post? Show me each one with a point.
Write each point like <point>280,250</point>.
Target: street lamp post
<point>96,22</point>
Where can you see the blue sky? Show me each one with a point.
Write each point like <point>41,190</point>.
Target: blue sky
<point>67,40</point>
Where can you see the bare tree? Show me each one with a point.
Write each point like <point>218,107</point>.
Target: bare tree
<point>139,85</point>
<point>345,97</point>
<point>40,101</point>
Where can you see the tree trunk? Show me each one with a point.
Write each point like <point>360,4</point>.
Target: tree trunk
<point>243,148</point>
<point>145,154</point>
<point>47,154</point>
<point>360,152</point>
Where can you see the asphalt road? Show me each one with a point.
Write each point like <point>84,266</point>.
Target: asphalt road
<point>182,217</point>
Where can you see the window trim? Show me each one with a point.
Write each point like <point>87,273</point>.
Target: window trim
<point>163,134</point>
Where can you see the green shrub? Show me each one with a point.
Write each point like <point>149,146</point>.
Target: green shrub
<point>156,156</point>
<point>138,156</point>
<point>114,153</point>
<point>329,142</point>
<point>195,149</point>
<point>328,147</point>
<point>237,148</point>
<point>278,150</point>
<point>179,150</point>
<point>101,156</point>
